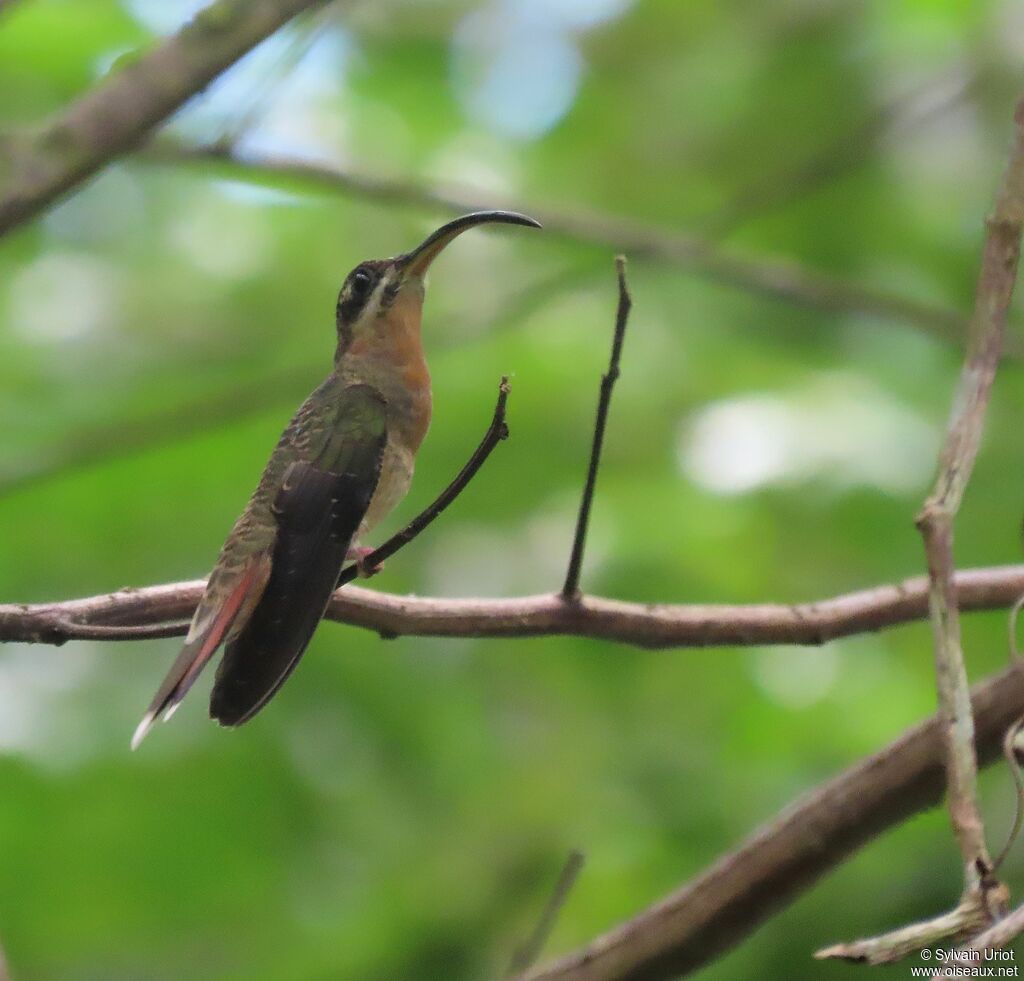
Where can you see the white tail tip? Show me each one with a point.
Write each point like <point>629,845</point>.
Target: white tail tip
<point>143,727</point>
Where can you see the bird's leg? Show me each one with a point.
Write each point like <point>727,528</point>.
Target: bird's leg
<point>359,555</point>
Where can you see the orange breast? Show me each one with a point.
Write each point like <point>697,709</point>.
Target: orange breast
<point>391,355</point>
<point>417,381</point>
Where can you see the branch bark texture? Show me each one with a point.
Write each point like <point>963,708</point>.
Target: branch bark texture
<point>163,611</point>
<point>120,112</point>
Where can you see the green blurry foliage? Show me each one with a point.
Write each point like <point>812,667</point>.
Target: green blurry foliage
<point>403,807</point>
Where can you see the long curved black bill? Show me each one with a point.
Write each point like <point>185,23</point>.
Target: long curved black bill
<point>418,261</point>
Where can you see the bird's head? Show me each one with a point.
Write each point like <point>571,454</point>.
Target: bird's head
<point>380,296</point>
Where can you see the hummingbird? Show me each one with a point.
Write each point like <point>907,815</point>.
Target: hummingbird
<point>342,464</point>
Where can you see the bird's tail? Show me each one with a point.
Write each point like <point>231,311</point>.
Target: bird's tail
<point>210,626</point>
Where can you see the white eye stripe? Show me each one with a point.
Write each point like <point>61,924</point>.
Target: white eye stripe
<point>373,305</point>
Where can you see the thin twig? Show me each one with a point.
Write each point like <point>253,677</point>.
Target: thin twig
<point>120,111</point>
<point>157,611</point>
<point>496,432</point>
<point>571,587</point>
<point>528,953</point>
<point>784,858</point>
<point>983,898</point>
<point>779,279</point>
<point>956,461</point>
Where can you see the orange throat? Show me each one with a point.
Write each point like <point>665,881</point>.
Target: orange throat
<point>398,348</point>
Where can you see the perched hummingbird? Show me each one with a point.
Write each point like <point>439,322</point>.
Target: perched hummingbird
<point>344,461</point>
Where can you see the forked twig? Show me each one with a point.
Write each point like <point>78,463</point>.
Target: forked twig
<point>984,898</point>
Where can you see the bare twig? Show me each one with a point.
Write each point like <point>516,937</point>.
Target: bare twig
<point>783,859</point>
<point>117,114</point>
<point>775,278</point>
<point>528,953</point>
<point>159,611</point>
<point>956,461</point>
<point>984,898</point>
<point>571,587</point>
<point>496,432</point>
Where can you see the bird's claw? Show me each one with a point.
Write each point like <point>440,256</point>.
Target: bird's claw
<point>359,554</point>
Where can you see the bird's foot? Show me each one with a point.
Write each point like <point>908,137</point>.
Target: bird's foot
<point>359,554</point>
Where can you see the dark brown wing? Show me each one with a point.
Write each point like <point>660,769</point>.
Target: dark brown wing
<point>318,509</point>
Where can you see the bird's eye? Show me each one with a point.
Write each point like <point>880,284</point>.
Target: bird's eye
<point>361,281</point>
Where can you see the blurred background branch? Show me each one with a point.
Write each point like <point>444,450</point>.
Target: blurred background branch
<point>778,279</point>
<point>531,949</point>
<point>120,112</point>
<point>714,912</point>
<point>896,118</point>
